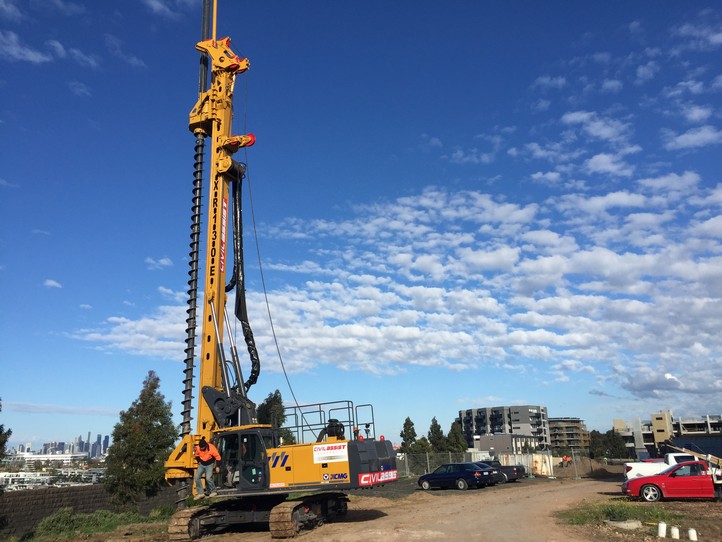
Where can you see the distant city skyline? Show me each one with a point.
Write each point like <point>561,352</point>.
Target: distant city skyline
<point>94,448</point>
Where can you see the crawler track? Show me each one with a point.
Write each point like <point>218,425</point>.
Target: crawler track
<point>285,519</point>
<point>185,525</point>
<point>282,523</point>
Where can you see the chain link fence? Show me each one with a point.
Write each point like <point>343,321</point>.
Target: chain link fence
<point>543,463</point>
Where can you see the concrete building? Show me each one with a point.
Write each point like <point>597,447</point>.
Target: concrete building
<point>568,434</point>
<point>506,428</point>
<point>645,439</point>
<point>31,461</point>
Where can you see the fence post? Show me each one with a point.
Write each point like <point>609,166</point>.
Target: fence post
<point>428,463</point>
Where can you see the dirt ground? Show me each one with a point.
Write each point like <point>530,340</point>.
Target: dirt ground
<point>516,512</point>
<point>523,511</point>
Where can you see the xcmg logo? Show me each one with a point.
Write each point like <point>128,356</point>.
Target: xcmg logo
<point>337,476</point>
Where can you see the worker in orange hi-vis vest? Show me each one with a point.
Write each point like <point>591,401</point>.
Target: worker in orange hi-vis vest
<point>207,455</point>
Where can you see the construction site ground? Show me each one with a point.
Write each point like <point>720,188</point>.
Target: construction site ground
<point>523,511</point>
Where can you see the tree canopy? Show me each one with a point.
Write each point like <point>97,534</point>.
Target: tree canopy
<point>272,412</point>
<point>609,444</point>
<point>142,441</point>
<point>4,436</point>
<point>434,441</point>
<point>456,440</point>
<point>421,446</point>
<point>437,439</point>
<point>408,436</point>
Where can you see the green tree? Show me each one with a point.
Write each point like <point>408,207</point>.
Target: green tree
<point>437,439</point>
<point>609,444</point>
<point>456,440</point>
<point>421,446</point>
<point>408,436</point>
<point>142,441</point>
<point>272,412</point>
<point>4,436</point>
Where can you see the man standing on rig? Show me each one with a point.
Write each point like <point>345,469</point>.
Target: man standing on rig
<point>207,455</point>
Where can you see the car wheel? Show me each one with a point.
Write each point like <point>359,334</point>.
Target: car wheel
<point>425,485</point>
<point>650,493</point>
<point>506,478</point>
<point>461,484</point>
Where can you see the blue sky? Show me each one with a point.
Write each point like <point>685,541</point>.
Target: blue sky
<point>459,205</point>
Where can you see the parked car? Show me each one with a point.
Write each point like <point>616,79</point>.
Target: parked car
<point>689,480</point>
<point>495,474</point>
<point>510,473</point>
<point>458,475</point>
<point>654,466</point>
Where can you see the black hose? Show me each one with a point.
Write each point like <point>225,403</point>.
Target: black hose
<point>237,281</point>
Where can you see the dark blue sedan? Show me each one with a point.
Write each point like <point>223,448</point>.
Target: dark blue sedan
<point>458,475</point>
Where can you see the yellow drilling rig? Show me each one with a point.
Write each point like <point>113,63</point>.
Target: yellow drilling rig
<point>257,473</point>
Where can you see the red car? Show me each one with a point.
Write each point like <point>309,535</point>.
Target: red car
<point>689,480</point>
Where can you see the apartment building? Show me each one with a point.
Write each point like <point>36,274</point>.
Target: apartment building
<point>568,434</point>
<point>647,438</point>
<point>510,429</point>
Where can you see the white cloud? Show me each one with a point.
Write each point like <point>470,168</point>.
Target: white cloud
<point>115,46</point>
<point>57,48</point>
<point>7,184</point>
<point>9,11</point>
<point>552,152</point>
<point>430,142</point>
<point>541,105</point>
<point>69,9</point>
<point>152,263</point>
<point>696,113</point>
<point>548,176</point>
<point>503,258</point>
<point>167,293</point>
<point>169,9</point>
<point>43,408</point>
<point>709,228</point>
<point>79,89</point>
<point>50,283</point>
<point>701,36</point>
<point>685,183</point>
<point>471,156</point>
<point>599,204</point>
<point>558,281</point>
<point>612,86</point>
<point>608,164</point>
<point>549,82</point>
<point>85,60</point>
<point>598,127</point>
<point>646,72</point>
<point>13,50</point>
<point>694,138</point>
<point>157,335</point>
